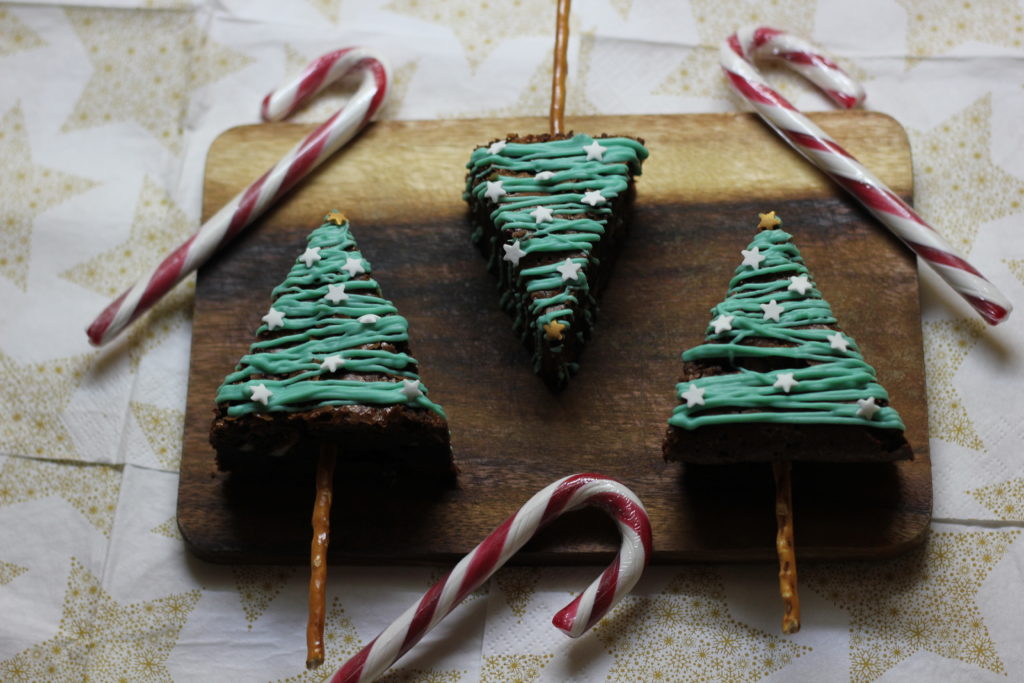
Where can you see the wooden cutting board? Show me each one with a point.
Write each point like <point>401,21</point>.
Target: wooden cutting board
<point>708,176</point>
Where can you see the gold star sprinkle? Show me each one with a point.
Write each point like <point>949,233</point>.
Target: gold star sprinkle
<point>768,221</point>
<point>554,330</point>
<point>336,217</point>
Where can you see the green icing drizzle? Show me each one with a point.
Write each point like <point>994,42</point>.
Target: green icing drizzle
<point>827,390</point>
<point>315,328</point>
<point>575,228</point>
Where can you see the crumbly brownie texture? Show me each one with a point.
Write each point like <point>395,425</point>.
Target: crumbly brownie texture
<point>331,363</point>
<point>776,377</point>
<point>548,213</point>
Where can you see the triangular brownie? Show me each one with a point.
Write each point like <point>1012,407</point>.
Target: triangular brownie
<point>330,363</point>
<point>548,213</point>
<point>776,377</point>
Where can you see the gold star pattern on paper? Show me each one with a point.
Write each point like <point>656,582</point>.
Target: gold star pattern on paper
<point>767,221</point>
<point>481,32</point>
<point>922,601</point>
<point>535,99</point>
<point>163,428</point>
<point>699,75</point>
<point>422,676</point>
<point>513,668</point>
<point>686,632</point>
<point>28,190</point>
<point>554,330</point>
<point>158,227</point>
<point>9,572</point>
<point>1016,267</point>
<point>90,489</point>
<point>100,639</point>
<point>15,36</point>
<point>146,65</point>
<point>517,584</point>
<point>954,157</point>
<point>258,586</point>
<point>33,396</point>
<point>340,642</point>
<point>935,27</point>
<point>330,9</point>
<point>1005,500</point>
<point>168,529</point>
<point>946,345</point>
<point>623,7</point>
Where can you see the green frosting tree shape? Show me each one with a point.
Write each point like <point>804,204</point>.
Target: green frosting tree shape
<point>549,204</point>
<point>328,319</point>
<point>806,372</point>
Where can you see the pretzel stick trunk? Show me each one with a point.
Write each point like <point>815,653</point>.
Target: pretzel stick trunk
<point>784,546</point>
<point>560,68</point>
<point>318,556</point>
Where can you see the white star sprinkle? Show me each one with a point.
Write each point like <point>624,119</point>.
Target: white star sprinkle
<point>411,388</point>
<point>799,284</point>
<point>772,310</point>
<point>752,258</point>
<point>866,407</point>
<point>336,293</point>
<point>569,270</point>
<point>495,190</point>
<point>694,396</point>
<point>274,319</point>
<point>332,363</point>
<point>544,175</point>
<point>310,256</point>
<point>496,147</point>
<point>785,381</point>
<point>595,151</point>
<point>542,214</point>
<point>838,341</point>
<point>722,323</point>
<point>513,253</point>
<point>354,266</point>
<point>260,394</point>
<point>593,197</point>
<point>368,319</point>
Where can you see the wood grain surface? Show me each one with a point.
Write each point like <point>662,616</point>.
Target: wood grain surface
<point>400,183</point>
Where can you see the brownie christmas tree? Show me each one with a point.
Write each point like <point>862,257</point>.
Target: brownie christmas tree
<point>329,377</point>
<point>331,362</point>
<point>548,212</point>
<point>776,378</point>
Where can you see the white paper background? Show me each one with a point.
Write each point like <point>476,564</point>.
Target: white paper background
<point>94,579</point>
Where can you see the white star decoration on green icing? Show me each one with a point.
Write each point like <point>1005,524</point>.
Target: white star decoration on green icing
<point>694,396</point>
<point>336,293</point>
<point>260,393</point>
<point>542,214</point>
<point>513,252</point>
<point>274,319</point>
<point>752,257</point>
<point>785,381</point>
<point>310,256</point>
<point>595,151</point>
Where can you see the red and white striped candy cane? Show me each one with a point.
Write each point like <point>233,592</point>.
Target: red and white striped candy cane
<point>816,146</point>
<point>475,568</point>
<point>261,194</point>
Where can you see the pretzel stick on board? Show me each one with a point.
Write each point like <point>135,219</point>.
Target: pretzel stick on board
<point>318,555</point>
<point>784,546</point>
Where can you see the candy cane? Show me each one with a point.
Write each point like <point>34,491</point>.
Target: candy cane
<point>736,55</point>
<point>261,194</point>
<point>475,568</point>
